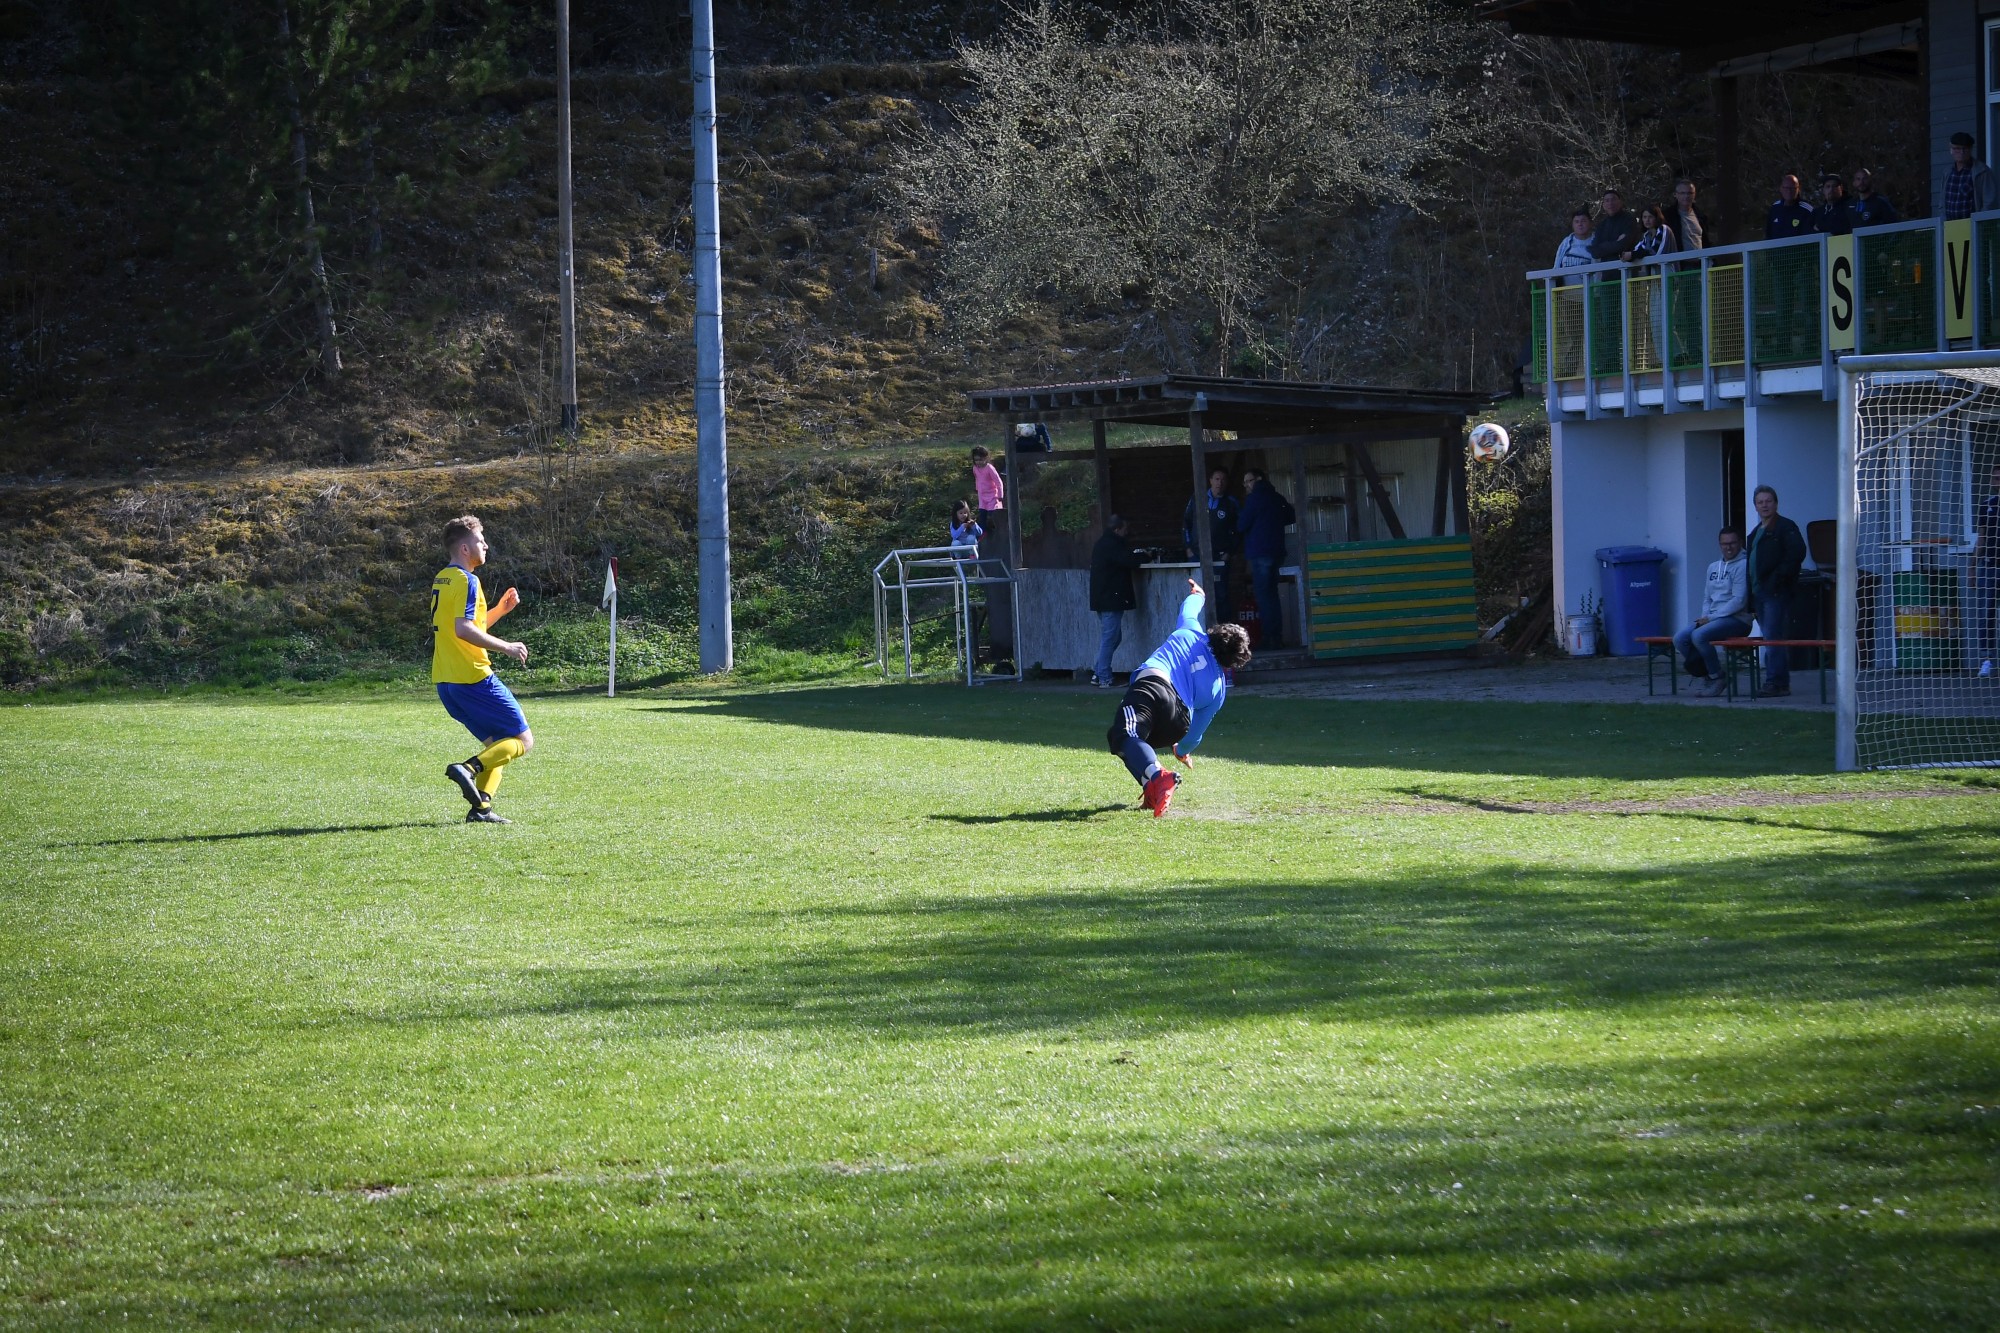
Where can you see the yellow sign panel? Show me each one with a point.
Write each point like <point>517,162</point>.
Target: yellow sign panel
<point>1958,278</point>
<point>1839,288</point>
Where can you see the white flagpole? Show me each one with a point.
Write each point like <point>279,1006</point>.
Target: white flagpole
<point>611,603</point>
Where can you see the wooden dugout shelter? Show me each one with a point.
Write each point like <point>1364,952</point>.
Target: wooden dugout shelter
<point>1379,562</point>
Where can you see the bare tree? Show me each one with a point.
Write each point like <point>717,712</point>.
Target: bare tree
<point>329,336</point>
<point>1155,165</point>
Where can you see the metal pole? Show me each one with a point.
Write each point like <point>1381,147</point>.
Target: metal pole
<point>611,680</point>
<point>1847,579</point>
<point>712,445</point>
<point>566,243</point>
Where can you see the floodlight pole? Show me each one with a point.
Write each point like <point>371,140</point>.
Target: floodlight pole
<point>711,436</point>
<point>566,242</point>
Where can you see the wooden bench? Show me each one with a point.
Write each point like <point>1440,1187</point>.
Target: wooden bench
<point>1659,646</point>
<point>1743,651</point>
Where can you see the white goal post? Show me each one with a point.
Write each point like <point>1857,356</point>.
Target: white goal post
<point>1918,600</point>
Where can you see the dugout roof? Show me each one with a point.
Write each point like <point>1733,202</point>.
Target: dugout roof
<point>1247,406</point>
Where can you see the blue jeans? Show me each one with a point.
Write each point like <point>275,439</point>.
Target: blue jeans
<point>1696,644</point>
<point>1270,610</point>
<point>1773,610</point>
<point>1111,633</point>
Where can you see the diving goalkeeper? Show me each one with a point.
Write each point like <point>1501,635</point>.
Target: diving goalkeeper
<point>1173,697</point>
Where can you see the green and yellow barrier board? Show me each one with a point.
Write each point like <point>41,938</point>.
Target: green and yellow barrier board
<point>1374,598</point>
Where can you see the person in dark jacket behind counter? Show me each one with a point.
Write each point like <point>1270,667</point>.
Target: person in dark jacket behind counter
<point>1112,561</point>
<point>1266,514</point>
<point>1777,551</point>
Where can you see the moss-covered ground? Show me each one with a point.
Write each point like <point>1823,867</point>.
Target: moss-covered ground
<point>882,1007</point>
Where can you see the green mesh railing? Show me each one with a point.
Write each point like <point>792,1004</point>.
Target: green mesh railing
<point>1538,332</point>
<point>1649,322</point>
<point>1785,311</point>
<point>1898,291</point>
<point>1607,328</point>
<point>1725,315</point>
<point>1566,333</point>
<point>1684,319</point>
<point>1986,314</point>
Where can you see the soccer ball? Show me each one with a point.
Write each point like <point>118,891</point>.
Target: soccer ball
<point>1489,442</point>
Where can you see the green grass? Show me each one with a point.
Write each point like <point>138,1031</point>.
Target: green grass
<point>881,1006</point>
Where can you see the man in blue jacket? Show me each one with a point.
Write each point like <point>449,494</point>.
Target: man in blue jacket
<point>1173,697</point>
<point>1266,514</point>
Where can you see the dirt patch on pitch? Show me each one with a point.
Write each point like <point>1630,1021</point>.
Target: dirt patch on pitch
<point>1438,803</point>
<point>1422,802</point>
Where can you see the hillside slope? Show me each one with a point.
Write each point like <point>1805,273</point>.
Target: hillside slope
<point>450,330</point>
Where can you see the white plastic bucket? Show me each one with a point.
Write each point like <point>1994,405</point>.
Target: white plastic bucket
<point>1580,636</point>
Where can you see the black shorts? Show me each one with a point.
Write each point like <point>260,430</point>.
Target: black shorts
<point>1163,718</point>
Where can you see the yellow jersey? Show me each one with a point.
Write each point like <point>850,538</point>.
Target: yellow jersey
<point>455,596</point>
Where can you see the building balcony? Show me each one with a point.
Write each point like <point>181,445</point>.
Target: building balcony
<point>1741,324</point>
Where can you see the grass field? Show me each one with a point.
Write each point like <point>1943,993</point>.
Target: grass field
<point>882,1006</point>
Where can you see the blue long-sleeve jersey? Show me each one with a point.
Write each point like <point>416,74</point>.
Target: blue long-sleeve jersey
<point>1192,670</point>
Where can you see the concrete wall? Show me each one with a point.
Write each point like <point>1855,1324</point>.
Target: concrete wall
<point>1794,447</point>
<point>1640,481</point>
<point>1657,480</point>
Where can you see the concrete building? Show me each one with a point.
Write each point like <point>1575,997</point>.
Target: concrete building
<point>1676,387</point>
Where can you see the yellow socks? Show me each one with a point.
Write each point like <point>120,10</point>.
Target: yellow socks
<point>499,754</point>
<point>488,781</point>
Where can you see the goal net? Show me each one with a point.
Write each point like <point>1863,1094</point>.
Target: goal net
<point>1918,567</point>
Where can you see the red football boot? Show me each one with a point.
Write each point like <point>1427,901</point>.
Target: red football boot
<point>1160,791</point>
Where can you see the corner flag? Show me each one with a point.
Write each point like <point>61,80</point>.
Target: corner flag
<point>610,603</point>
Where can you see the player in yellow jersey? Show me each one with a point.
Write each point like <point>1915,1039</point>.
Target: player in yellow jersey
<point>466,685</point>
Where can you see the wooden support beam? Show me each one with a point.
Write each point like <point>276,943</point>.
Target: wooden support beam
<point>1100,456</point>
<point>1013,498</point>
<point>1302,501</point>
<point>1353,497</point>
<point>1378,490</point>
<point>1198,451</point>
<point>1441,497</point>
<point>1461,519</point>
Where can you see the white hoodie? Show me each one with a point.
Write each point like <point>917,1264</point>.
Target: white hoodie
<point>1728,591</point>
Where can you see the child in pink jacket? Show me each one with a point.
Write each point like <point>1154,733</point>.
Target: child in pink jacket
<point>986,481</point>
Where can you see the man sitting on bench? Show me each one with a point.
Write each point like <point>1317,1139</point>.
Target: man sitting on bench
<point>1725,614</point>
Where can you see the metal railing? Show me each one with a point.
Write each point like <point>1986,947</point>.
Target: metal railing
<point>961,571</point>
<point>1685,331</point>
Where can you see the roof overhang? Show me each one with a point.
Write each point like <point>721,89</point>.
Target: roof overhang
<point>1247,406</point>
<point>1726,38</point>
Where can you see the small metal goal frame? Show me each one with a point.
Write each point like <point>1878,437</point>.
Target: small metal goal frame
<point>958,568</point>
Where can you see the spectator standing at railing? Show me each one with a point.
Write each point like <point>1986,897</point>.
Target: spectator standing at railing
<point>1689,228</point>
<point>1574,252</point>
<point>1835,215</point>
<point>1870,208</point>
<point>1656,238</point>
<point>1789,215</point>
<point>1616,232</point>
<point>1969,187</point>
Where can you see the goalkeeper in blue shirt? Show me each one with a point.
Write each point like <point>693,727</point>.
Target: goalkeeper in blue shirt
<point>1173,697</point>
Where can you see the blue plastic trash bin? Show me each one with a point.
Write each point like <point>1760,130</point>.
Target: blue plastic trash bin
<point>1631,587</point>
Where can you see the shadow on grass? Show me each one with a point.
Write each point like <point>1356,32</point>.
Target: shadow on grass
<point>1825,925</point>
<point>177,839</point>
<point>1683,1209</point>
<point>1073,815</point>
<point>1629,742</point>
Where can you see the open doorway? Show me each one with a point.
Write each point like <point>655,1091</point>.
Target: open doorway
<point>1735,503</point>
